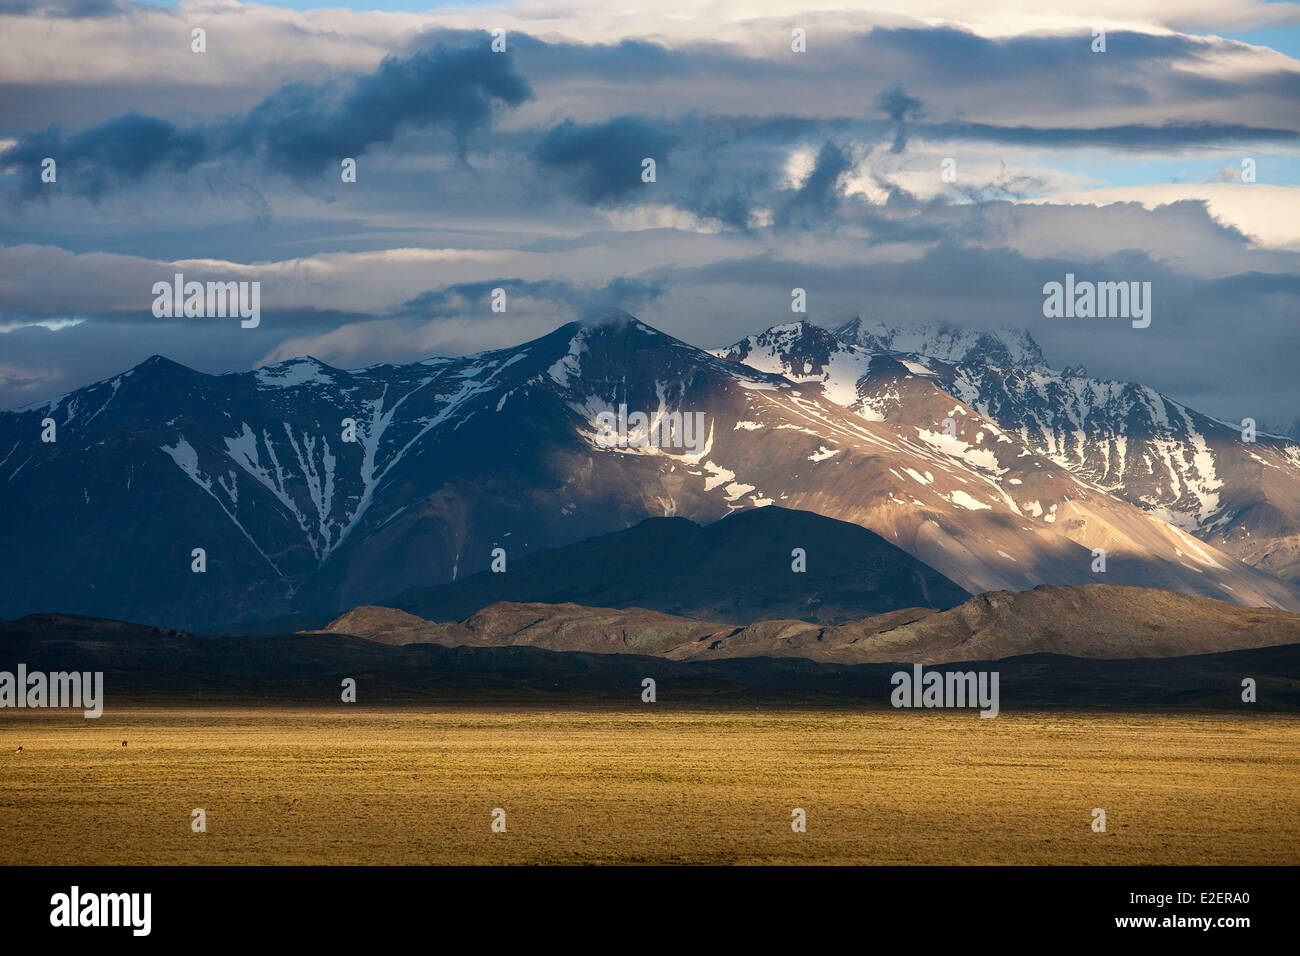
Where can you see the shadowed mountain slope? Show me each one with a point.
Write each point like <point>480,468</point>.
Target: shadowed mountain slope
<point>734,571</point>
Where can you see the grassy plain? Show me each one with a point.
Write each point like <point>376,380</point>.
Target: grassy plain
<point>652,785</point>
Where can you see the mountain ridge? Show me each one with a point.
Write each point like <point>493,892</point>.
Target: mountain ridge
<point>1095,621</point>
<point>455,458</point>
<point>156,665</point>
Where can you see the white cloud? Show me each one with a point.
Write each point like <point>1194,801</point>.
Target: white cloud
<point>1268,214</point>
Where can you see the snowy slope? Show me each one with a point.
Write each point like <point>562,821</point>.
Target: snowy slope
<point>1141,446</point>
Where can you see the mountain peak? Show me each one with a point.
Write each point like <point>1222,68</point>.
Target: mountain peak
<point>800,338</point>
<point>948,343</point>
<point>608,322</point>
<point>803,352</point>
<point>301,370</point>
<point>155,362</point>
<point>800,328</point>
<point>614,318</point>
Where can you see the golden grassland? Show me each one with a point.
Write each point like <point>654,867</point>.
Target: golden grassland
<point>651,785</point>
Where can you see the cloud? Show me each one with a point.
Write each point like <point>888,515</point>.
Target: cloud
<point>357,344</point>
<point>71,9</point>
<point>710,291</point>
<point>89,163</point>
<point>455,320</point>
<point>1269,215</point>
<point>900,108</point>
<point>523,171</point>
<point>999,287</point>
<point>569,297</point>
<point>819,195</point>
<point>299,130</point>
<point>604,160</point>
<point>1162,136</point>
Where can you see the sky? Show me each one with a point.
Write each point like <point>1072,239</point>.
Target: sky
<point>915,162</point>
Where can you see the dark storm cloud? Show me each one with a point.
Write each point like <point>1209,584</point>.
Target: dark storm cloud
<point>722,167</point>
<point>818,197</point>
<point>629,61</point>
<point>604,160</point>
<point>900,108</point>
<point>1136,68</point>
<point>706,162</point>
<point>300,129</point>
<point>126,148</point>
<point>1058,75</point>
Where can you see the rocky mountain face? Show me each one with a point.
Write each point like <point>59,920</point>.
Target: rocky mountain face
<point>1190,470</point>
<point>314,489</point>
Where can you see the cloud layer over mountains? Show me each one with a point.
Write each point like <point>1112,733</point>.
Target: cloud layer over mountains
<point>522,170</point>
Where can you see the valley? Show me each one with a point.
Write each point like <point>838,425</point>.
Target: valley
<point>662,785</point>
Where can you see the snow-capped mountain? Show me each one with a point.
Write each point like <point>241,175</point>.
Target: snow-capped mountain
<point>805,353</point>
<point>1003,347</point>
<point>1189,469</point>
<point>450,458</point>
<point>453,458</point>
<point>1181,466</point>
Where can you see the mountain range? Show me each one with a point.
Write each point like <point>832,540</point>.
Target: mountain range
<point>1086,621</point>
<point>312,490</point>
<point>161,664</point>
